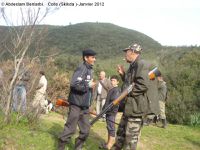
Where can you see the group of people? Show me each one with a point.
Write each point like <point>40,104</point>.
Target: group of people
<point>138,104</point>
<point>39,103</point>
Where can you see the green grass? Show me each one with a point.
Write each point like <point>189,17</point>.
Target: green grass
<point>44,137</point>
<point>174,137</point>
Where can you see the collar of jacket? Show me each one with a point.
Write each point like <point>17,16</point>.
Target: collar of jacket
<point>88,65</point>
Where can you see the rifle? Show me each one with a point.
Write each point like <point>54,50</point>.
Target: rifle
<point>62,102</point>
<point>114,103</point>
<point>65,103</point>
<point>152,74</point>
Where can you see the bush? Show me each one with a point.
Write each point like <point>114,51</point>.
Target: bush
<point>182,76</point>
<point>195,119</point>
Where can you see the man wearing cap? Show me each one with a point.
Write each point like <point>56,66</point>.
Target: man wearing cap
<point>80,100</point>
<point>136,103</point>
<point>162,96</point>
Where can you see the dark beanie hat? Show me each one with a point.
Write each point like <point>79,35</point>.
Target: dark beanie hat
<point>89,52</point>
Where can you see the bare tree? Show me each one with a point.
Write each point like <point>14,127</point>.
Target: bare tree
<point>22,34</point>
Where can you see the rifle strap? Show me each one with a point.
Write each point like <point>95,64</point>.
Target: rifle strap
<point>103,85</point>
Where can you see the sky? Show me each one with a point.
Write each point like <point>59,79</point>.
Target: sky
<point>170,22</point>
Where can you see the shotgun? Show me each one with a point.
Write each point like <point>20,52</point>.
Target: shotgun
<point>114,103</point>
<point>65,103</point>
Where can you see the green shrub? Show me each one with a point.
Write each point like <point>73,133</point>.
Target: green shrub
<point>182,77</point>
<point>195,119</point>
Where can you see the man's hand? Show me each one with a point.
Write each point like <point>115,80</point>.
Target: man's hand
<point>120,69</point>
<point>92,84</point>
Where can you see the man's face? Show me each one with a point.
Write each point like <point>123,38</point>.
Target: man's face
<point>90,59</point>
<point>129,56</point>
<point>102,75</point>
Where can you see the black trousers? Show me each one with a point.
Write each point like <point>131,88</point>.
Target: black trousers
<point>76,116</point>
<point>110,119</point>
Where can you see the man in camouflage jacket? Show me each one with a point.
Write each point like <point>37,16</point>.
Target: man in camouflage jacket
<point>137,103</point>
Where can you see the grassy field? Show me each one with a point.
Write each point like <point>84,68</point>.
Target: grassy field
<point>44,137</point>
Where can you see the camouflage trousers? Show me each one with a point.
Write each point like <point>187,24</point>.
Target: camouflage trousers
<point>128,133</point>
<point>162,110</point>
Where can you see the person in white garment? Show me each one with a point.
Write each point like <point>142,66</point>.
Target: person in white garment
<point>40,95</point>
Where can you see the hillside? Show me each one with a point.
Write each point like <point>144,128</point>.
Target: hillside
<point>107,39</point>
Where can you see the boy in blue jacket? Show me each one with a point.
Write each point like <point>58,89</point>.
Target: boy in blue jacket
<point>111,114</point>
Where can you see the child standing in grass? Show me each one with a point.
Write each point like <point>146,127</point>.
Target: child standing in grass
<point>111,114</point>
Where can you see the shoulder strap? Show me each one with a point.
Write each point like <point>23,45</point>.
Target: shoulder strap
<point>103,85</point>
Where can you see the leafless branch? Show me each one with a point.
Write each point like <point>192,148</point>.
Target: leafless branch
<point>21,37</point>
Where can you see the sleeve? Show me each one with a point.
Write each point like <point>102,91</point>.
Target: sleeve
<point>115,95</point>
<point>140,81</point>
<point>78,82</point>
<point>109,85</point>
<point>123,76</point>
<point>163,92</point>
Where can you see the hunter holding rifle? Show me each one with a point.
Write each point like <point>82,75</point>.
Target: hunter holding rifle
<point>136,102</point>
<point>80,97</point>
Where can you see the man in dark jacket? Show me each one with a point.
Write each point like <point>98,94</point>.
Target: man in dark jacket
<point>137,103</point>
<point>80,100</point>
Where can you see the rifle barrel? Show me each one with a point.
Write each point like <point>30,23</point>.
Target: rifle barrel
<point>101,114</point>
<point>115,102</point>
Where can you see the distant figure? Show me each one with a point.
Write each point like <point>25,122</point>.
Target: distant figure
<point>101,91</point>
<point>80,98</point>
<point>19,91</point>
<point>162,96</point>
<point>40,96</point>
<point>111,114</point>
